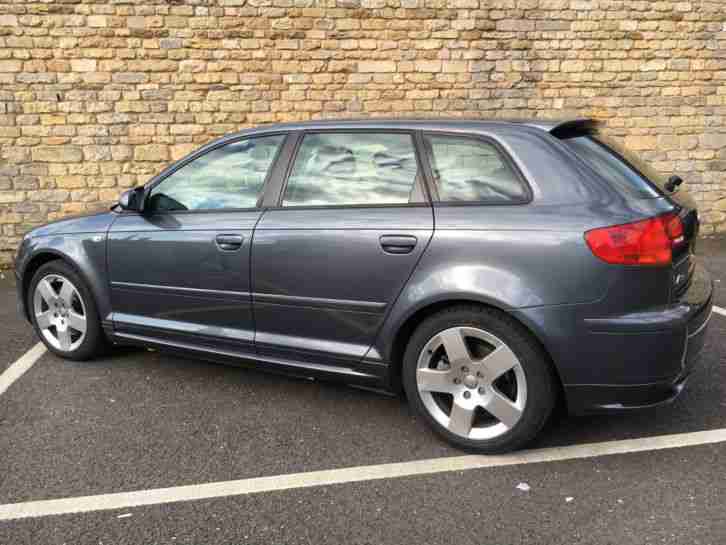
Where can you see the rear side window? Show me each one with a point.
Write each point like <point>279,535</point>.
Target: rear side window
<point>471,170</point>
<point>622,168</point>
<point>337,169</point>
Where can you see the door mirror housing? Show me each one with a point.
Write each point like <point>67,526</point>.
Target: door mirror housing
<point>132,199</point>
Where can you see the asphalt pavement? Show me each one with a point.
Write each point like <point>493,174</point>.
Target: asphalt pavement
<point>18,335</point>
<point>139,420</point>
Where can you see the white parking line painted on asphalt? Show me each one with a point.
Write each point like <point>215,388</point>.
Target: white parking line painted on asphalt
<point>126,500</point>
<point>17,369</point>
<point>719,310</point>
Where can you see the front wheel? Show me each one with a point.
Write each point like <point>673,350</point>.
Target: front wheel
<point>64,313</point>
<point>479,379</point>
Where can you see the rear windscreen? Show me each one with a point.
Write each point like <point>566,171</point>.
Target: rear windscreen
<point>622,168</point>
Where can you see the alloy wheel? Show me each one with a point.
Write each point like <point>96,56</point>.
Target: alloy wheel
<point>471,383</point>
<point>60,312</point>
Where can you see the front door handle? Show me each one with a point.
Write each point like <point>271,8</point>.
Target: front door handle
<point>229,242</point>
<point>398,244</point>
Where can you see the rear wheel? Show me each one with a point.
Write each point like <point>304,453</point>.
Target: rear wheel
<point>63,312</point>
<point>479,379</point>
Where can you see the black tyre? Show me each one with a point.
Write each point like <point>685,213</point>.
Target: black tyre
<point>64,312</point>
<point>479,379</point>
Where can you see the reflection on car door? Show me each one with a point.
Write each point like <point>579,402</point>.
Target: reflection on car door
<point>180,270</point>
<point>332,258</point>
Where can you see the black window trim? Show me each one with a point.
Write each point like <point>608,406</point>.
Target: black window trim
<point>276,203</point>
<point>204,150</point>
<point>436,200</point>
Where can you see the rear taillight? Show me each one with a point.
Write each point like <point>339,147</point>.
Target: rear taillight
<point>646,242</point>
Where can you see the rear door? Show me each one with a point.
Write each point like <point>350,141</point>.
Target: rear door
<point>179,271</point>
<point>333,252</point>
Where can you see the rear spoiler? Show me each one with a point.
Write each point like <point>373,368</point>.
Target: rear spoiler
<point>574,127</point>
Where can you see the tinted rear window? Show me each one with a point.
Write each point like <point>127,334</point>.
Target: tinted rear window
<point>622,168</point>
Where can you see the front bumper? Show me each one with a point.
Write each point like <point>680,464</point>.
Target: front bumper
<point>669,338</point>
<point>22,310</point>
<point>21,258</point>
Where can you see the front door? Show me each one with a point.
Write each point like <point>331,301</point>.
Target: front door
<point>328,262</point>
<point>179,271</point>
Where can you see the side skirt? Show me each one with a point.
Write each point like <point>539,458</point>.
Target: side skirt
<point>370,375</point>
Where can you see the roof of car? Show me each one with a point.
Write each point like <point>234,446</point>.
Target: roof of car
<point>549,125</point>
<point>557,127</point>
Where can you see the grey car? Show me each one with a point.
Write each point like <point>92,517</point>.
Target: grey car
<point>491,270</point>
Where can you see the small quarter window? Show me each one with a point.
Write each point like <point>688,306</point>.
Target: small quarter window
<point>228,177</point>
<point>337,169</point>
<point>470,170</point>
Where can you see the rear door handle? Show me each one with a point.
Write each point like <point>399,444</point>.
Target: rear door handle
<point>229,242</point>
<point>398,244</point>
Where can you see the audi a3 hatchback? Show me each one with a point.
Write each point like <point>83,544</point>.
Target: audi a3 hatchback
<point>491,270</point>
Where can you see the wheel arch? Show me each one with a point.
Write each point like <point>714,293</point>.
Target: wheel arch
<point>412,321</point>
<point>47,255</point>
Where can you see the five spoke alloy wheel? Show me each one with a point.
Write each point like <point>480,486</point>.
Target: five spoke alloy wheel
<point>479,379</point>
<point>60,312</point>
<point>471,383</point>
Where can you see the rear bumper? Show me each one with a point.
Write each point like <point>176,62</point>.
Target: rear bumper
<point>620,362</point>
<point>686,321</point>
<point>598,398</point>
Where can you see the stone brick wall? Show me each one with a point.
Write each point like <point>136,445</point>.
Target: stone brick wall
<point>96,96</point>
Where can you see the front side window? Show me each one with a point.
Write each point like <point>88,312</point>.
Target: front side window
<point>337,169</point>
<point>470,170</point>
<point>228,177</point>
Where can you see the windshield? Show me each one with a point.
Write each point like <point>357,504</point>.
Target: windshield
<point>620,167</point>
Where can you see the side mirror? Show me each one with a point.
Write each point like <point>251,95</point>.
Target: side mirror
<point>132,199</point>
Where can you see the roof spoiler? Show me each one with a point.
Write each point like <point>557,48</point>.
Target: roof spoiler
<point>574,127</point>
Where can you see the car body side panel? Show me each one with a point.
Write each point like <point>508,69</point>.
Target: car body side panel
<point>168,275</point>
<point>77,225</point>
<point>321,281</point>
<point>505,268</point>
<point>79,241</point>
